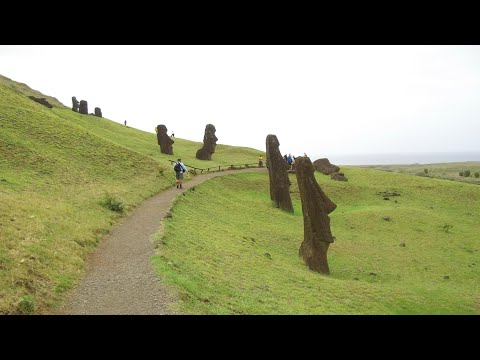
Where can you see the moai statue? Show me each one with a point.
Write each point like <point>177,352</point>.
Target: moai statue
<point>74,104</point>
<point>98,112</point>
<point>83,107</point>
<point>325,167</point>
<point>209,143</point>
<point>165,142</point>
<point>316,224</point>
<point>42,101</point>
<point>277,171</point>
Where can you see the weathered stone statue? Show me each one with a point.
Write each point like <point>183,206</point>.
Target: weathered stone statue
<point>277,171</point>
<point>316,224</point>
<point>83,107</point>
<point>339,176</point>
<point>74,104</point>
<point>209,143</point>
<point>98,112</point>
<point>325,167</point>
<point>42,101</point>
<point>164,140</point>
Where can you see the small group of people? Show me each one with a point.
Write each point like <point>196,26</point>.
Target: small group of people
<point>289,161</point>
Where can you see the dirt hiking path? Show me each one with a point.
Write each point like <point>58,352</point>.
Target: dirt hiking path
<point>120,278</point>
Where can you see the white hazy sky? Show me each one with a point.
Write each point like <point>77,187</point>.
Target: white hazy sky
<point>322,100</point>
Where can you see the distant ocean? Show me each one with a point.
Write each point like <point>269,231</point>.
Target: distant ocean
<point>404,159</point>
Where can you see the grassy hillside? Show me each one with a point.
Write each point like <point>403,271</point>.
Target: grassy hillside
<point>447,171</point>
<point>25,90</point>
<point>227,250</point>
<point>57,167</point>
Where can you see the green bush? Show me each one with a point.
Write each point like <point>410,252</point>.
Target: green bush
<point>466,173</point>
<point>460,173</point>
<point>26,305</point>
<point>477,175</point>
<point>425,171</point>
<point>112,203</point>
<point>447,227</point>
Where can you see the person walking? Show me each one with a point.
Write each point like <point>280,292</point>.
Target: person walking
<point>260,161</point>
<point>179,169</point>
<point>289,161</point>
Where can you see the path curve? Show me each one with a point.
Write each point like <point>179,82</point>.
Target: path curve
<point>120,278</point>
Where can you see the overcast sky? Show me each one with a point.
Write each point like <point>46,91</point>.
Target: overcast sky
<point>322,100</point>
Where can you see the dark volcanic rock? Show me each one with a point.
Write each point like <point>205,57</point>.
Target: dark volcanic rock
<point>98,112</point>
<point>316,206</point>
<point>165,141</point>
<point>209,144</point>
<point>75,104</point>
<point>83,107</point>
<point>277,171</point>
<point>324,166</point>
<point>42,101</point>
<point>339,176</point>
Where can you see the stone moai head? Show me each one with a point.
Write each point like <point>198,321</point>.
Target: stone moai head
<point>209,139</point>
<point>75,104</point>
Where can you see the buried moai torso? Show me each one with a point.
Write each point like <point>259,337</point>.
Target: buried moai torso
<point>209,144</point>
<point>165,142</point>
<point>315,206</point>
<point>279,182</point>
<point>83,107</point>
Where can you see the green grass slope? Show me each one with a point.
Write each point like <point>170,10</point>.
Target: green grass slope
<point>56,168</point>
<point>227,250</point>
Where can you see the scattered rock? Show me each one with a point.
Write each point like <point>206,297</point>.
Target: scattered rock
<point>373,274</point>
<point>268,256</point>
<point>339,176</point>
<point>386,218</point>
<point>385,198</point>
<point>402,244</point>
<point>388,193</point>
<point>446,277</point>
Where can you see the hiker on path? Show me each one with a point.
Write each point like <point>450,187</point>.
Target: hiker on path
<point>260,161</point>
<point>289,161</point>
<point>179,169</point>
